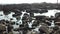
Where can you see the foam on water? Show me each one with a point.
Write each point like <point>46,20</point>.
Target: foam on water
<point>30,24</point>
<point>49,13</point>
<point>9,16</point>
<point>20,21</point>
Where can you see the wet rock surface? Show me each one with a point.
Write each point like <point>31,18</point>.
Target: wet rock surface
<point>18,21</point>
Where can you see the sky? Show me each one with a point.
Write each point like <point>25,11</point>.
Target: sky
<point>26,1</point>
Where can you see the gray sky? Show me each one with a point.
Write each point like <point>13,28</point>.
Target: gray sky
<point>26,1</point>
